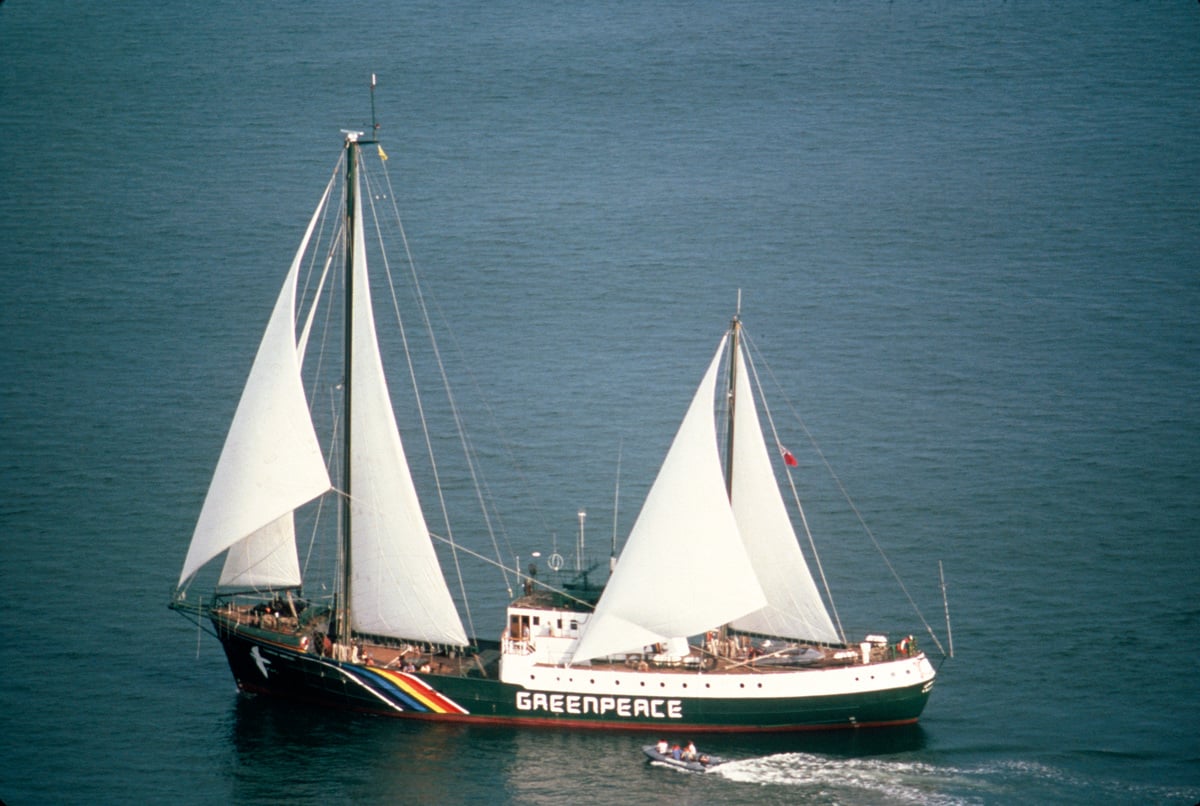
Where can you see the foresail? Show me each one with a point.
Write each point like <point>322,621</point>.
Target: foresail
<point>397,583</point>
<point>265,560</point>
<point>794,607</point>
<point>684,569</point>
<point>271,462</point>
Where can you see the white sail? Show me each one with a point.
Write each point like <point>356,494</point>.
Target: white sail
<point>794,607</point>
<point>265,559</point>
<point>268,558</point>
<point>396,581</point>
<point>684,569</point>
<point>271,462</point>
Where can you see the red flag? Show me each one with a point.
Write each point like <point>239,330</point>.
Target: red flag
<point>788,459</point>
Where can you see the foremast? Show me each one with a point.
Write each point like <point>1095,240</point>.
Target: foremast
<point>342,627</point>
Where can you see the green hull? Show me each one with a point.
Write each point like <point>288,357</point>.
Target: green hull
<point>264,666</point>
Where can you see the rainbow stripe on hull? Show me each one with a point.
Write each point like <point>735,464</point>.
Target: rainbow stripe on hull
<point>414,693</point>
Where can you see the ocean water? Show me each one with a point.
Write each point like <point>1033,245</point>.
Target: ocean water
<point>966,237</point>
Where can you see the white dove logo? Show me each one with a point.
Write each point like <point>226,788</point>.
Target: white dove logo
<point>260,661</point>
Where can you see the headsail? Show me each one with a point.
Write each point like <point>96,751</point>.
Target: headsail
<point>397,583</point>
<point>684,568</point>
<point>265,560</point>
<point>794,607</point>
<point>271,462</point>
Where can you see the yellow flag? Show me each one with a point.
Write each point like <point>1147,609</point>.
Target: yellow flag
<point>382,155</point>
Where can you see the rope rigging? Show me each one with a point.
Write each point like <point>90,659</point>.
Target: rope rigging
<point>845,494</point>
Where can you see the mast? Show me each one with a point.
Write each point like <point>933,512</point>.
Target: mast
<point>343,630</point>
<point>735,331</point>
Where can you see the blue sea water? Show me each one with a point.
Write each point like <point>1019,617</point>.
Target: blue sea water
<point>966,237</point>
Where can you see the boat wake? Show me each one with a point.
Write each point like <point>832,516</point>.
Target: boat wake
<point>858,780</point>
<point>823,779</point>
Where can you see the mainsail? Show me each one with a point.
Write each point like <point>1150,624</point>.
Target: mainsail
<point>397,583</point>
<point>684,568</point>
<point>794,607</point>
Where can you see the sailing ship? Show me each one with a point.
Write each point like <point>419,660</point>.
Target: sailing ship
<point>709,621</point>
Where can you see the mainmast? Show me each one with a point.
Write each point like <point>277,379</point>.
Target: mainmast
<point>735,332</point>
<point>342,634</point>
<point>343,630</point>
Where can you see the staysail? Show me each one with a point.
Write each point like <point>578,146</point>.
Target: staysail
<point>794,607</point>
<point>684,569</point>
<point>266,560</point>
<point>271,462</point>
<point>397,584</point>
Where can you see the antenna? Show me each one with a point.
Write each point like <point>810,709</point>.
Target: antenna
<point>374,124</point>
<point>579,545</point>
<point>612,557</point>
